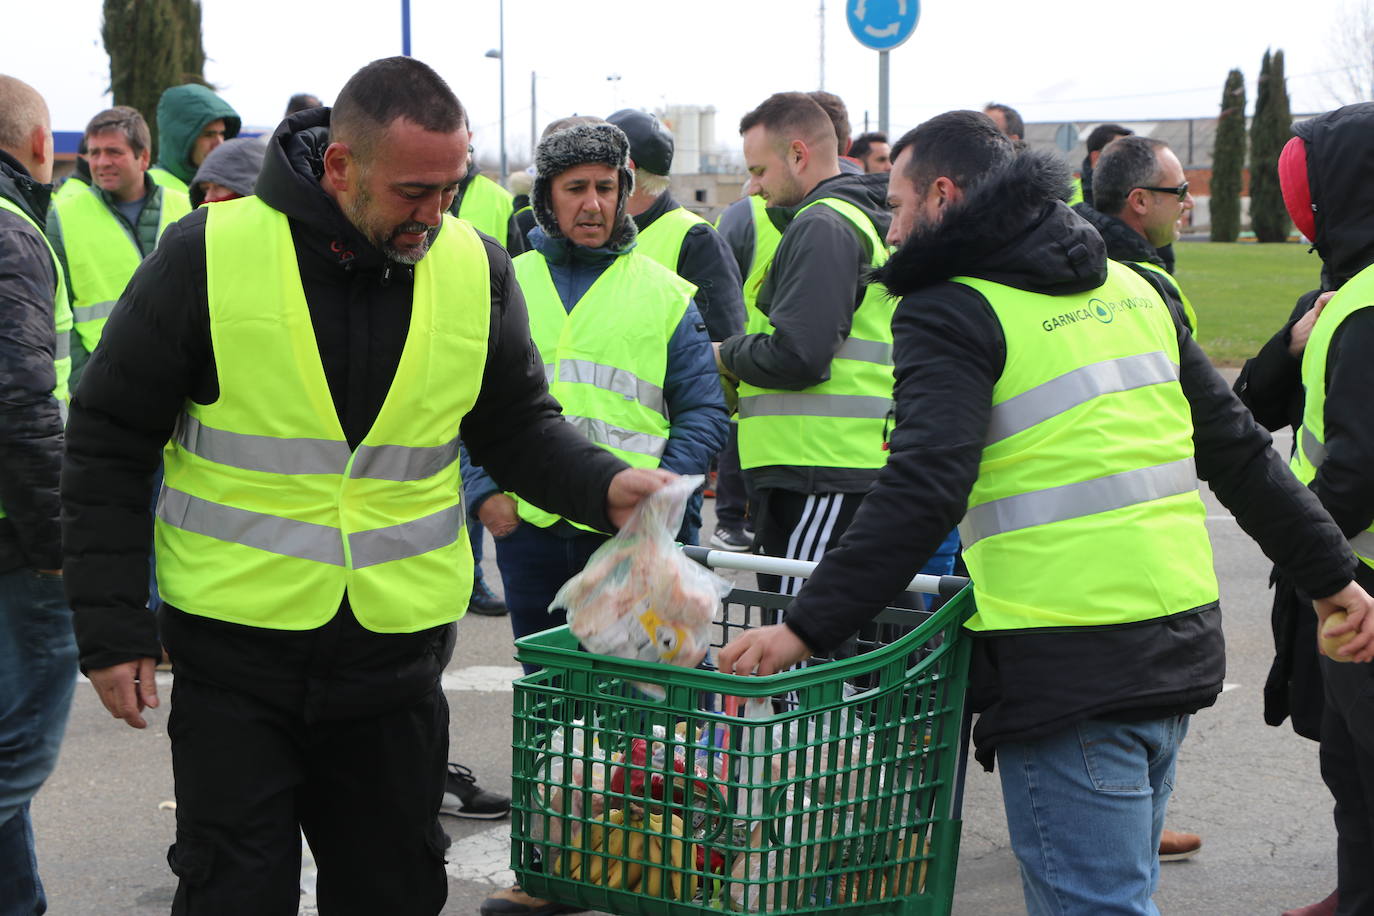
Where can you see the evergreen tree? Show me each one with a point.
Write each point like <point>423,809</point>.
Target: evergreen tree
<point>1228,160</point>
<point>153,45</point>
<point>1271,129</point>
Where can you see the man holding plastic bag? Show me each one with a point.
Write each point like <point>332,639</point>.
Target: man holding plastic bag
<point>626,354</point>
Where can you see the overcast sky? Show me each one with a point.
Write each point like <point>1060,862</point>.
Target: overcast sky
<point>1078,61</point>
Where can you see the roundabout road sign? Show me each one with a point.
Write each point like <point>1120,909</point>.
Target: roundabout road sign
<point>882,24</point>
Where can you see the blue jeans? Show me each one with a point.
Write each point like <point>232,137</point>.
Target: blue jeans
<point>534,565</point>
<point>37,677</point>
<point>1085,807</point>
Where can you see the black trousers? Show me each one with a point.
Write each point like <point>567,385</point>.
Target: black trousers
<point>733,494</point>
<point>251,775</point>
<point>800,526</point>
<point>1347,760</point>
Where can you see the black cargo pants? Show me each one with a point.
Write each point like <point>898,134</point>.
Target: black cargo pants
<point>251,775</point>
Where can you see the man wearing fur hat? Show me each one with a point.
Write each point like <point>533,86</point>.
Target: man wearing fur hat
<point>1052,400</point>
<point>626,354</point>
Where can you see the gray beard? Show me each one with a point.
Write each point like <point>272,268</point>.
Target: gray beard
<point>380,236</point>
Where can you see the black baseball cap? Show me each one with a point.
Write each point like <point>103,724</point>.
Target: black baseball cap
<point>651,144</point>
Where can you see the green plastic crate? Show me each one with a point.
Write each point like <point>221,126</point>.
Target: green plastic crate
<point>844,798</point>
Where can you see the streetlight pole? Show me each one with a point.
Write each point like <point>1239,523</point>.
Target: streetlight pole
<point>534,117</point>
<point>500,54</point>
<point>501,36</point>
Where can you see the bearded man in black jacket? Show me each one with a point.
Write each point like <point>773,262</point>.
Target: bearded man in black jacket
<point>309,357</point>
<point>1052,400</point>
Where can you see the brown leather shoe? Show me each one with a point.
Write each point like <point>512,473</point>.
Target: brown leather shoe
<point>1175,846</point>
<point>514,902</point>
<point>1326,907</point>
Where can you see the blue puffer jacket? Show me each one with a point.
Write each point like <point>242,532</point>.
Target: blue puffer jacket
<point>691,387</point>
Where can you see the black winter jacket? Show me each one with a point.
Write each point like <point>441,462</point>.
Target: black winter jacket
<point>815,285</point>
<point>30,421</point>
<point>705,261</point>
<point>156,353</point>
<point>949,353</point>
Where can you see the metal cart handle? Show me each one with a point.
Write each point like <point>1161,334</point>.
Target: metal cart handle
<point>945,586</point>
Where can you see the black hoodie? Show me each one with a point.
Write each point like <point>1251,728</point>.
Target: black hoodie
<point>156,353</point>
<point>1340,158</point>
<point>30,423</point>
<point>949,352</point>
<point>816,283</point>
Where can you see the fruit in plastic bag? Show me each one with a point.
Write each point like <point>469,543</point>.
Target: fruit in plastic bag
<point>638,596</point>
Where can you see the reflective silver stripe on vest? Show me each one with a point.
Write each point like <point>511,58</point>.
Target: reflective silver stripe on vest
<point>548,373</point>
<point>615,380</point>
<point>93,312</point>
<point>403,462</point>
<point>1312,448</point>
<point>272,533</point>
<point>262,453</point>
<point>868,351</point>
<point>1363,544</point>
<point>409,539</point>
<point>1075,500</point>
<point>64,347</point>
<point>1071,389</point>
<point>272,455</point>
<point>856,406</point>
<point>603,433</point>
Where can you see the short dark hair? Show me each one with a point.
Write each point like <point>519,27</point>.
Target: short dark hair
<point>863,143</point>
<point>838,113</point>
<point>1103,134</point>
<point>789,114</point>
<point>1126,163</point>
<point>1016,125</point>
<point>127,121</point>
<point>388,89</point>
<point>964,146</point>
<point>302,101</point>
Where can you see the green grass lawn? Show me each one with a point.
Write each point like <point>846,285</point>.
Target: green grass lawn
<point>1243,292</point>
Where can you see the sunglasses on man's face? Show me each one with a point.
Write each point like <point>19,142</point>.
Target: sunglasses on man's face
<point>1181,191</point>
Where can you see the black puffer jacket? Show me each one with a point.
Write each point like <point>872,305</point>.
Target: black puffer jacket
<point>30,422</point>
<point>706,262</point>
<point>949,353</point>
<point>812,290</point>
<point>156,353</point>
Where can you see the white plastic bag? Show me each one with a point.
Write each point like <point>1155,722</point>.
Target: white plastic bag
<point>639,597</point>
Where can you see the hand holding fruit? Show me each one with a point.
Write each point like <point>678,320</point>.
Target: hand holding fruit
<point>1345,625</point>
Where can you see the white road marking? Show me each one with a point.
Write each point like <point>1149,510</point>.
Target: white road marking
<point>483,678</point>
<point>473,678</point>
<point>483,858</point>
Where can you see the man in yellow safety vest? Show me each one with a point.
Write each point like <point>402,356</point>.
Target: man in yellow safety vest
<point>1052,400</point>
<point>304,361</point>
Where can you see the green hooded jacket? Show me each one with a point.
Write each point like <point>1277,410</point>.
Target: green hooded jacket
<point>182,113</point>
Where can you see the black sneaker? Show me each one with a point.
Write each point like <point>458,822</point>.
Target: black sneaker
<point>731,539</point>
<point>464,798</point>
<point>484,601</point>
<point>515,902</point>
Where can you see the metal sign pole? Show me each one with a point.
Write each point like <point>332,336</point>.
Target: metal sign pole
<point>882,91</point>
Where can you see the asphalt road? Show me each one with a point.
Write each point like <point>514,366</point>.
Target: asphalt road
<point>1253,792</point>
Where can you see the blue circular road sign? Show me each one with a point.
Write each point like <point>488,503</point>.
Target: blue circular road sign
<point>882,24</point>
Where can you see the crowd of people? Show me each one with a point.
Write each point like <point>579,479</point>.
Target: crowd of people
<point>260,399</point>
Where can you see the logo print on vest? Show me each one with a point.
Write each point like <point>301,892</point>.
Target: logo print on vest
<point>1101,311</point>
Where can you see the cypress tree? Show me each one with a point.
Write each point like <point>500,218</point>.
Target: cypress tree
<point>1271,129</point>
<point>153,45</point>
<point>1228,160</point>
